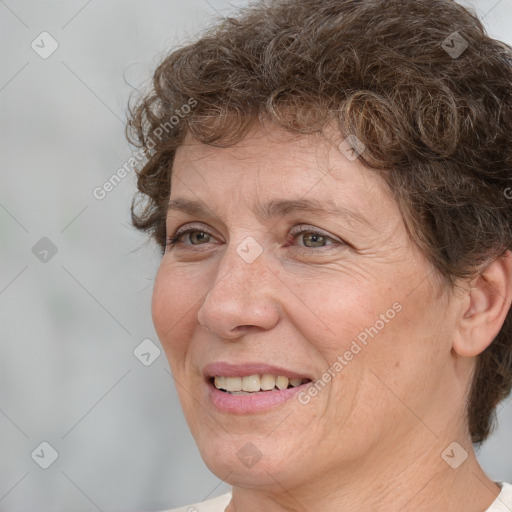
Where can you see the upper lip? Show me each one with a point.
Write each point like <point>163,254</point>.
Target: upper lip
<point>246,369</point>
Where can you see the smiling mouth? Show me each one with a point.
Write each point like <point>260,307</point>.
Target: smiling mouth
<point>253,384</point>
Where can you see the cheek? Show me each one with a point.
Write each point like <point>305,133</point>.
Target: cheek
<point>347,312</point>
<point>379,332</point>
<point>403,363</point>
<point>171,308</point>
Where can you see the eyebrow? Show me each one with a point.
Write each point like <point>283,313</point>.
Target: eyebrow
<point>275,208</point>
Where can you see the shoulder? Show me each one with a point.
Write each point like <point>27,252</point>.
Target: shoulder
<point>503,502</point>
<point>213,505</point>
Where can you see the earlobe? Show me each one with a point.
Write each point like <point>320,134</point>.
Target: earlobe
<point>487,304</point>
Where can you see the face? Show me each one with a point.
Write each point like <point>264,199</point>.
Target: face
<point>343,302</point>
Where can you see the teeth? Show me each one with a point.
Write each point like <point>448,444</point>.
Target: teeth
<point>220,382</point>
<point>267,382</point>
<point>282,382</point>
<point>233,383</point>
<point>251,383</point>
<point>255,383</point>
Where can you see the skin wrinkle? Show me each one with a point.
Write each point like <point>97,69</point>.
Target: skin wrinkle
<point>437,134</point>
<point>389,423</point>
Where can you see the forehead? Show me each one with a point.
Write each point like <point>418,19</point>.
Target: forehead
<point>271,167</point>
<point>275,153</point>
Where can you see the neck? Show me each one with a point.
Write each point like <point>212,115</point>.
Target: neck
<point>413,478</point>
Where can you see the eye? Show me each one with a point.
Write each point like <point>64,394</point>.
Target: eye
<point>318,239</point>
<point>311,235</point>
<point>171,242</point>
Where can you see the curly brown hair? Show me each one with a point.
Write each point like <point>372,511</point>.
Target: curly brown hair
<point>435,117</point>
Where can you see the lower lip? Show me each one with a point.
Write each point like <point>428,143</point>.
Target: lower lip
<point>255,402</point>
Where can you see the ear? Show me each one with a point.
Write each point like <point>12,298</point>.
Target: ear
<point>486,304</point>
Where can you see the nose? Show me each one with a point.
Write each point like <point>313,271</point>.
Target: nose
<point>243,296</point>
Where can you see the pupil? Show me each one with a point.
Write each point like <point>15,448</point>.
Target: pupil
<point>313,236</point>
<point>201,234</point>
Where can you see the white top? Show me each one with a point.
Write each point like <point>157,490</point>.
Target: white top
<point>216,505</point>
<point>502,503</point>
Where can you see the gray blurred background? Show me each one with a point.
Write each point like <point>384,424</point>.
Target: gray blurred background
<point>80,367</point>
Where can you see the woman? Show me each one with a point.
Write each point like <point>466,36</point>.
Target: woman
<point>327,182</point>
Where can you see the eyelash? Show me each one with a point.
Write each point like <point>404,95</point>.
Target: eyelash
<point>298,230</point>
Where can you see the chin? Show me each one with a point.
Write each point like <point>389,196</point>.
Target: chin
<point>245,461</point>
